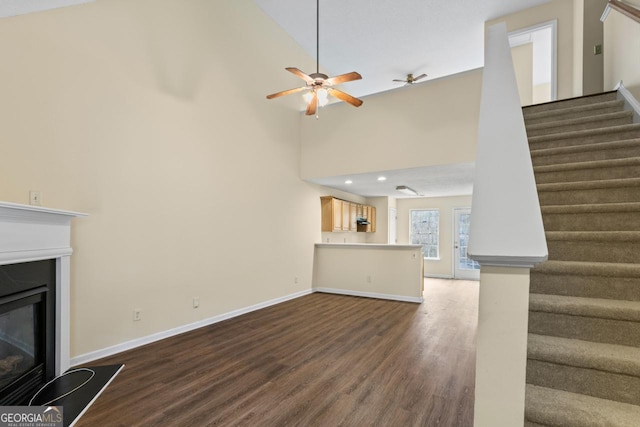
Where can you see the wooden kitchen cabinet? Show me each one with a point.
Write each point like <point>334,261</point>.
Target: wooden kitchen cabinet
<point>331,214</point>
<point>342,215</point>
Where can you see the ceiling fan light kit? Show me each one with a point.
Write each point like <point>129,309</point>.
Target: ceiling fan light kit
<point>318,85</point>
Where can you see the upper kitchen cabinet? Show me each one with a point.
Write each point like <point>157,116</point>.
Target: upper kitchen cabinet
<point>342,215</point>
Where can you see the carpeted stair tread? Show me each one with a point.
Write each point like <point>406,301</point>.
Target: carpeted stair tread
<point>595,164</point>
<point>574,149</point>
<point>588,185</point>
<point>591,208</point>
<point>560,408</point>
<point>619,359</point>
<point>586,137</point>
<point>571,102</point>
<point>579,268</point>
<point>587,307</point>
<point>598,121</point>
<point>594,236</point>
<point>578,111</point>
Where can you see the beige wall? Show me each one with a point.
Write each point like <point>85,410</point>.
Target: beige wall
<point>444,266</point>
<point>523,66</point>
<point>593,34</point>
<point>147,115</point>
<point>430,123</point>
<point>562,10</point>
<point>622,51</point>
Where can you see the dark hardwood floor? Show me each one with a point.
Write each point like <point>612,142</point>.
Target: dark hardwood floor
<point>319,360</point>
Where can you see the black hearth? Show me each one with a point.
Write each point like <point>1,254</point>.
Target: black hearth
<point>27,329</point>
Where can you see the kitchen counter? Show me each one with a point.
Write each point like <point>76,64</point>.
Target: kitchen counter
<point>383,271</point>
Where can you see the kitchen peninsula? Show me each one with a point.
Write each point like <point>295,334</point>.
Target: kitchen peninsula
<point>383,271</point>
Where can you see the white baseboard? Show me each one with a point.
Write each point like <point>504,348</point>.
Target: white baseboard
<point>630,99</point>
<point>418,300</point>
<point>109,351</point>
<point>439,276</point>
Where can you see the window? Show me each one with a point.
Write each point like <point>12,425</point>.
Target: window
<point>424,231</point>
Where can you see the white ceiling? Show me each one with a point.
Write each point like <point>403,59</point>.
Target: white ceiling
<point>431,181</point>
<point>385,40</point>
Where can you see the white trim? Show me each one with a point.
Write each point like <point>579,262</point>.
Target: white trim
<point>509,261</point>
<point>36,255</point>
<point>623,93</point>
<point>376,295</point>
<point>553,24</point>
<point>605,14</point>
<point>439,276</point>
<point>118,348</point>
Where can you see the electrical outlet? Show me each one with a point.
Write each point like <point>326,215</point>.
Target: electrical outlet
<point>34,198</point>
<point>196,302</point>
<point>368,279</point>
<point>137,314</point>
<point>295,279</point>
<point>597,49</point>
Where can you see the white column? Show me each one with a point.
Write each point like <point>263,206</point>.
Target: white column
<point>501,356</point>
<point>63,309</point>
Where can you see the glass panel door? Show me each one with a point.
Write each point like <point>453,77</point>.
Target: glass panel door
<point>464,267</point>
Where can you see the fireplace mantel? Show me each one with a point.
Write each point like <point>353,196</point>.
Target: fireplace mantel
<point>33,233</point>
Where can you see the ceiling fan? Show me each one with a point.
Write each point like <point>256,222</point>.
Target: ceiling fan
<point>319,85</point>
<point>409,80</point>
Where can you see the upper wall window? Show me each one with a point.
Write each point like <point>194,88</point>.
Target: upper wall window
<point>425,231</point>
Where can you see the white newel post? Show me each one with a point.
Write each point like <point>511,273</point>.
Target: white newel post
<point>33,233</point>
<point>507,239</point>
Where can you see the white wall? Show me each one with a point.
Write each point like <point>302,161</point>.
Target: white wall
<point>622,51</point>
<point>523,66</point>
<point>147,115</point>
<point>444,266</point>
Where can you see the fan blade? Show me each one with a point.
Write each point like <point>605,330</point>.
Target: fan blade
<point>345,97</point>
<point>286,92</point>
<point>399,81</point>
<point>343,78</point>
<point>313,105</point>
<point>300,74</point>
<point>421,76</point>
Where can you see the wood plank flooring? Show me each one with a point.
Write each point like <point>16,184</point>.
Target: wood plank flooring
<point>319,360</point>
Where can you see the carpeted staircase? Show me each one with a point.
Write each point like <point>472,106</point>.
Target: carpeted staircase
<point>583,366</point>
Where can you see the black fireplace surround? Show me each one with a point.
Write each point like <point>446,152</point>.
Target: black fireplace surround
<point>27,329</point>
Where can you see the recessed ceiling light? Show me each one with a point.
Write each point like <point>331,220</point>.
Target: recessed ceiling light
<point>348,181</point>
<point>382,178</point>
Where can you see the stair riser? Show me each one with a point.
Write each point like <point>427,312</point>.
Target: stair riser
<point>574,115</point>
<point>571,103</point>
<point>585,328</point>
<point>596,124</point>
<point>604,385</point>
<point>596,251</point>
<point>588,174</point>
<point>597,195</point>
<point>599,221</point>
<point>585,140</point>
<point>585,156</point>
<point>623,288</point>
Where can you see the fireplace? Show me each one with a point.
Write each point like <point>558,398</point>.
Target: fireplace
<point>35,255</point>
<point>27,329</point>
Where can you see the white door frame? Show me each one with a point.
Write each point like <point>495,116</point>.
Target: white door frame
<point>393,226</point>
<point>460,273</point>
<point>519,37</point>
